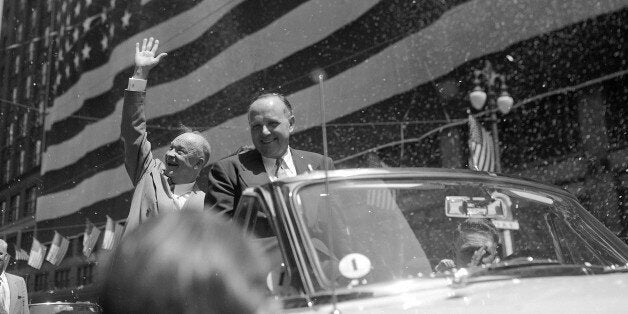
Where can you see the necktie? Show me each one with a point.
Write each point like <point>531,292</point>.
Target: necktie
<point>279,174</point>
<point>171,184</point>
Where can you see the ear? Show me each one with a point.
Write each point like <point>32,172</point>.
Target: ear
<point>200,163</point>
<point>291,120</point>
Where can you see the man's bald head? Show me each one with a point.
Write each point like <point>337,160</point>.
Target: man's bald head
<point>188,154</point>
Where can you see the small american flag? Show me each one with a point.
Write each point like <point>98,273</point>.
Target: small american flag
<point>21,255</point>
<point>113,233</point>
<point>90,237</point>
<point>58,249</point>
<point>38,252</point>
<point>481,147</point>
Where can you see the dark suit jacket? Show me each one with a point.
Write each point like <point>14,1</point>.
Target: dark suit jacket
<point>19,296</point>
<point>152,194</point>
<point>229,177</point>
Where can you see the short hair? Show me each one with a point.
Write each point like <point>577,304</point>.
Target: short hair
<point>186,262</point>
<point>477,225</point>
<point>4,245</point>
<point>281,97</point>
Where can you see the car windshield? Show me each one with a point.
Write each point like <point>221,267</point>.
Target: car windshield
<point>377,230</point>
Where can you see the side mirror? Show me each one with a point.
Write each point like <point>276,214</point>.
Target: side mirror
<point>279,280</point>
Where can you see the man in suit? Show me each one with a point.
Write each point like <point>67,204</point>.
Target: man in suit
<point>271,121</point>
<point>159,187</point>
<point>13,295</point>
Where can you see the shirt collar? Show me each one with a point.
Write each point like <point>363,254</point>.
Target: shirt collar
<point>269,163</point>
<point>180,189</point>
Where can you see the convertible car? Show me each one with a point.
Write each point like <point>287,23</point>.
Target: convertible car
<point>432,240</point>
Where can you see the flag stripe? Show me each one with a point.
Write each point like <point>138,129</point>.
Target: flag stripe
<point>97,80</point>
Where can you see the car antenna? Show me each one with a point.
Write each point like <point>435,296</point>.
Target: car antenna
<point>321,78</point>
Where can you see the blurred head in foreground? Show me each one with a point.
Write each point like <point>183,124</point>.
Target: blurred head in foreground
<point>186,262</point>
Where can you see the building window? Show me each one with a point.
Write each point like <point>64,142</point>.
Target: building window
<point>26,241</point>
<point>62,279</point>
<point>84,275</point>
<point>3,211</point>
<point>15,208</point>
<point>31,202</point>
<point>41,282</point>
<point>8,166</point>
<point>36,153</point>
<point>22,162</point>
<point>44,73</point>
<point>34,19</point>
<point>10,133</point>
<point>17,63</point>
<point>39,118</point>
<point>79,245</point>
<point>24,122</point>
<point>28,87</point>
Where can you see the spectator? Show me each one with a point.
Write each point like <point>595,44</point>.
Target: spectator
<point>187,262</point>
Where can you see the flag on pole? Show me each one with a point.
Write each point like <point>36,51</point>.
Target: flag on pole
<point>89,238</point>
<point>113,233</point>
<point>58,249</point>
<point>481,147</point>
<point>383,197</point>
<point>21,255</point>
<point>38,252</point>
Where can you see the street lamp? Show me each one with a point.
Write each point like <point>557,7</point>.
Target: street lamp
<point>492,81</point>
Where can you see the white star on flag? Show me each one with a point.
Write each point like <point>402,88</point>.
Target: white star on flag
<point>75,35</point>
<point>77,8</point>
<point>111,30</point>
<point>87,23</point>
<point>104,42</point>
<point>86,51</point>
<point>76,61</point>
<point>67,71</point>
<point>126,19</point>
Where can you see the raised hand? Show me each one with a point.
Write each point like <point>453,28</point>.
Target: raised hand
<point>146,58</point>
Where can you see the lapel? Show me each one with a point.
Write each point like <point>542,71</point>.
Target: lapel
<point>14,291</point>
<point>300,164</point>
<point>252,172</point>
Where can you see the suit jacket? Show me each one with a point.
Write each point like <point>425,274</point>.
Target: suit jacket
<point>19,296</point>
<point>229,177</point>
<point>152,195</point>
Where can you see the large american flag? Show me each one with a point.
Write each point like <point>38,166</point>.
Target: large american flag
<point>221,52</point>
<point>481,147</point>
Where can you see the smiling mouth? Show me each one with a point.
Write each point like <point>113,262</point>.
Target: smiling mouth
<point>172,164</point>
<point>267,141</point>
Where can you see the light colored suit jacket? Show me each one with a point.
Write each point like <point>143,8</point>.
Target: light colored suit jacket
<point>19,296</point>
<point>230,176</point>
<point>152,194</point>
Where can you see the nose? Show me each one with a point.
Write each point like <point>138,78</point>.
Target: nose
<point>170,153</point>
<point>265,130</point>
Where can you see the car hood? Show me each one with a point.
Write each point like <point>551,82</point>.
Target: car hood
<point>583,294</point>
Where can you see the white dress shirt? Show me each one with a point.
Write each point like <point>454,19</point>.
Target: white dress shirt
<point>182,193</point>
<point>7,292</point>
<point>287,166</point>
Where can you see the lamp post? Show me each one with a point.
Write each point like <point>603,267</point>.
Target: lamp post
<point>493,82</point>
